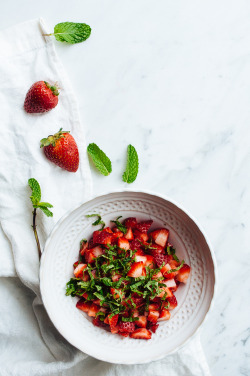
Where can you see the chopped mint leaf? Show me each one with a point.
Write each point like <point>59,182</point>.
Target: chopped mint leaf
<point>120,226</point>
<point>99,220</point>
<point>130,319</point>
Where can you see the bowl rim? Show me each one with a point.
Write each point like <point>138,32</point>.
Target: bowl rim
<point>166,198</point>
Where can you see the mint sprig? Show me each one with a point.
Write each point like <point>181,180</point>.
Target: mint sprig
<point>37,204</point>
<point>132,166</point>
<point>71,32</point>
<point>100,159</point>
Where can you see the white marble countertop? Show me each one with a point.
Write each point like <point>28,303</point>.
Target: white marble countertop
<point>172,78</point>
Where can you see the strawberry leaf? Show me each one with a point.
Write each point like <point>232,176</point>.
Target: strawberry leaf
<point>71,32</point>
<point>132,167</point>
<point>100,159</point>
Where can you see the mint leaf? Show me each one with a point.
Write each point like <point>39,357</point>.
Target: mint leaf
<point>71,32</point>
<point>120,226</point>
<point>132,167</point>
<point>99,220</point>
<point>45,204</point>
<point>130,319</point>
<point>36,191</point>
<point>100,159</point>
<point>46,211</point>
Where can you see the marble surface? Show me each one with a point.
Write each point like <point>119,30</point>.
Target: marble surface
<point>172,78</point>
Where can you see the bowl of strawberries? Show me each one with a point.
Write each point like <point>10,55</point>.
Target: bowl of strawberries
<point>133,277</point>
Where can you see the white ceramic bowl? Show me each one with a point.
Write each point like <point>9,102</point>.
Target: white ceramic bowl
<point>194,298</point>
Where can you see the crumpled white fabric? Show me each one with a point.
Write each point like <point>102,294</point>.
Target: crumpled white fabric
<point>29,343</point>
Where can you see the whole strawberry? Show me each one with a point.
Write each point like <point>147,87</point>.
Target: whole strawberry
<point>62,150</point>
<point>41,97</point>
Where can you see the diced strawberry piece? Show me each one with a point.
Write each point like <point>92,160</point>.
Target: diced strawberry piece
<point>170,283</point>
<point>143,236</point>
<point>142,322</point>
<point>136,270</point>
<point>83,247</point>
<point>103,237</point>
<point>141,258</point>
<point>123,243</point>
<point>156,249</point>
<point>75,264</point>
<point>160,259</point>
<point>93,310</point>
<point>144,226</point>
<point>78,272</point>
<point>117,293</point>
<point>116,277</point>
<point>160,236</point>
<point>83,305</point>
<point>130,222</point>
<point>165,271</point>
<point>85,295</point>
<point>106,320</point>
<point>158,275</point>
<point>97,251</point>
<point>89,256</point>
<point>183,273</point>
<point>135,245</point>
<point>113,323</point>
<point>153,316</point>
<point>129,234</point>
<point>93,272</point>
<point>150,261</point>
<point>173,302</point>
<point>135,313</point>
<point>164,315</point>
<point>117,233</point>
<point>138,300</point>
<point>124,334</point>
<point>141,333</point>
<point>153,327</point>
<point>128,327</point>
<point>153,307</point>
<point>97,322</point>
<point>97,302</point>
<point>165,291</point>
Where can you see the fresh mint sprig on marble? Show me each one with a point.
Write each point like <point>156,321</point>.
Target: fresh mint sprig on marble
<point>71,32</point>
<point>38,204</point>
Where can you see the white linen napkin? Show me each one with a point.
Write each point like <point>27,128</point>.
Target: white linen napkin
<point>27,57</point>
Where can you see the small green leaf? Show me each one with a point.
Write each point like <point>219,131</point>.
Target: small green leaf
<point>130,319</point>
<point>132,166</point>
<point>36,191</point>
<point>100,159</point>
<point>120,226</point>
<point>45,204</point>
<point>46,211</point>
<point>71,32</point>
<point>99,220</point>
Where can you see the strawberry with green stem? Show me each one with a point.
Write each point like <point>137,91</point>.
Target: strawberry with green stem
<point>41,97</point>
<point>37,204</point>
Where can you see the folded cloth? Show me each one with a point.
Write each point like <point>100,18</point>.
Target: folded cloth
<point>28,348</point>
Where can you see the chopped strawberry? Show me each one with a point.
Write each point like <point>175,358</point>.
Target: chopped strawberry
<point>144,226</point>
<point>124,334</point>
<point>183,273</point>
<point>135,245</point>
<point>78,272</point>
<point>83,247</point>
<point>164,315</point>
<point>141,258</point>
<point>153,327</point>
<point>89,256</point>
<point>93,310</point>
<point>173,302</point>
<point>160,236</point>
<point>137,299</point>
<point>158,275</point>
<point>143,236</point>
<point>141,333</point>
<point>113,323</point>
<point>170,283</point>
<point>136,270</point>
<point>160,259</point>
<point>98,322</point>
<point>156,249</point>
<point>129,234</point>
<point>142,322</point>
<point>97,251</point>
<point>85,295</point>
<point>116,277</point>
<point>130,222</point>
<point>103,237</point>
<point>165,291</point>
<point>153,316</point>
<point>83,305</point>
<point>117,293</point>
<point>150,261</point>
<point>165,269</point>
<point>123,243</point>
<point>75,264</point>
<point>153,307</point>
<point>128,327</point>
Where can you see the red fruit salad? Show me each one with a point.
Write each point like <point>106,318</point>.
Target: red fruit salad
<point>126,277</point>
